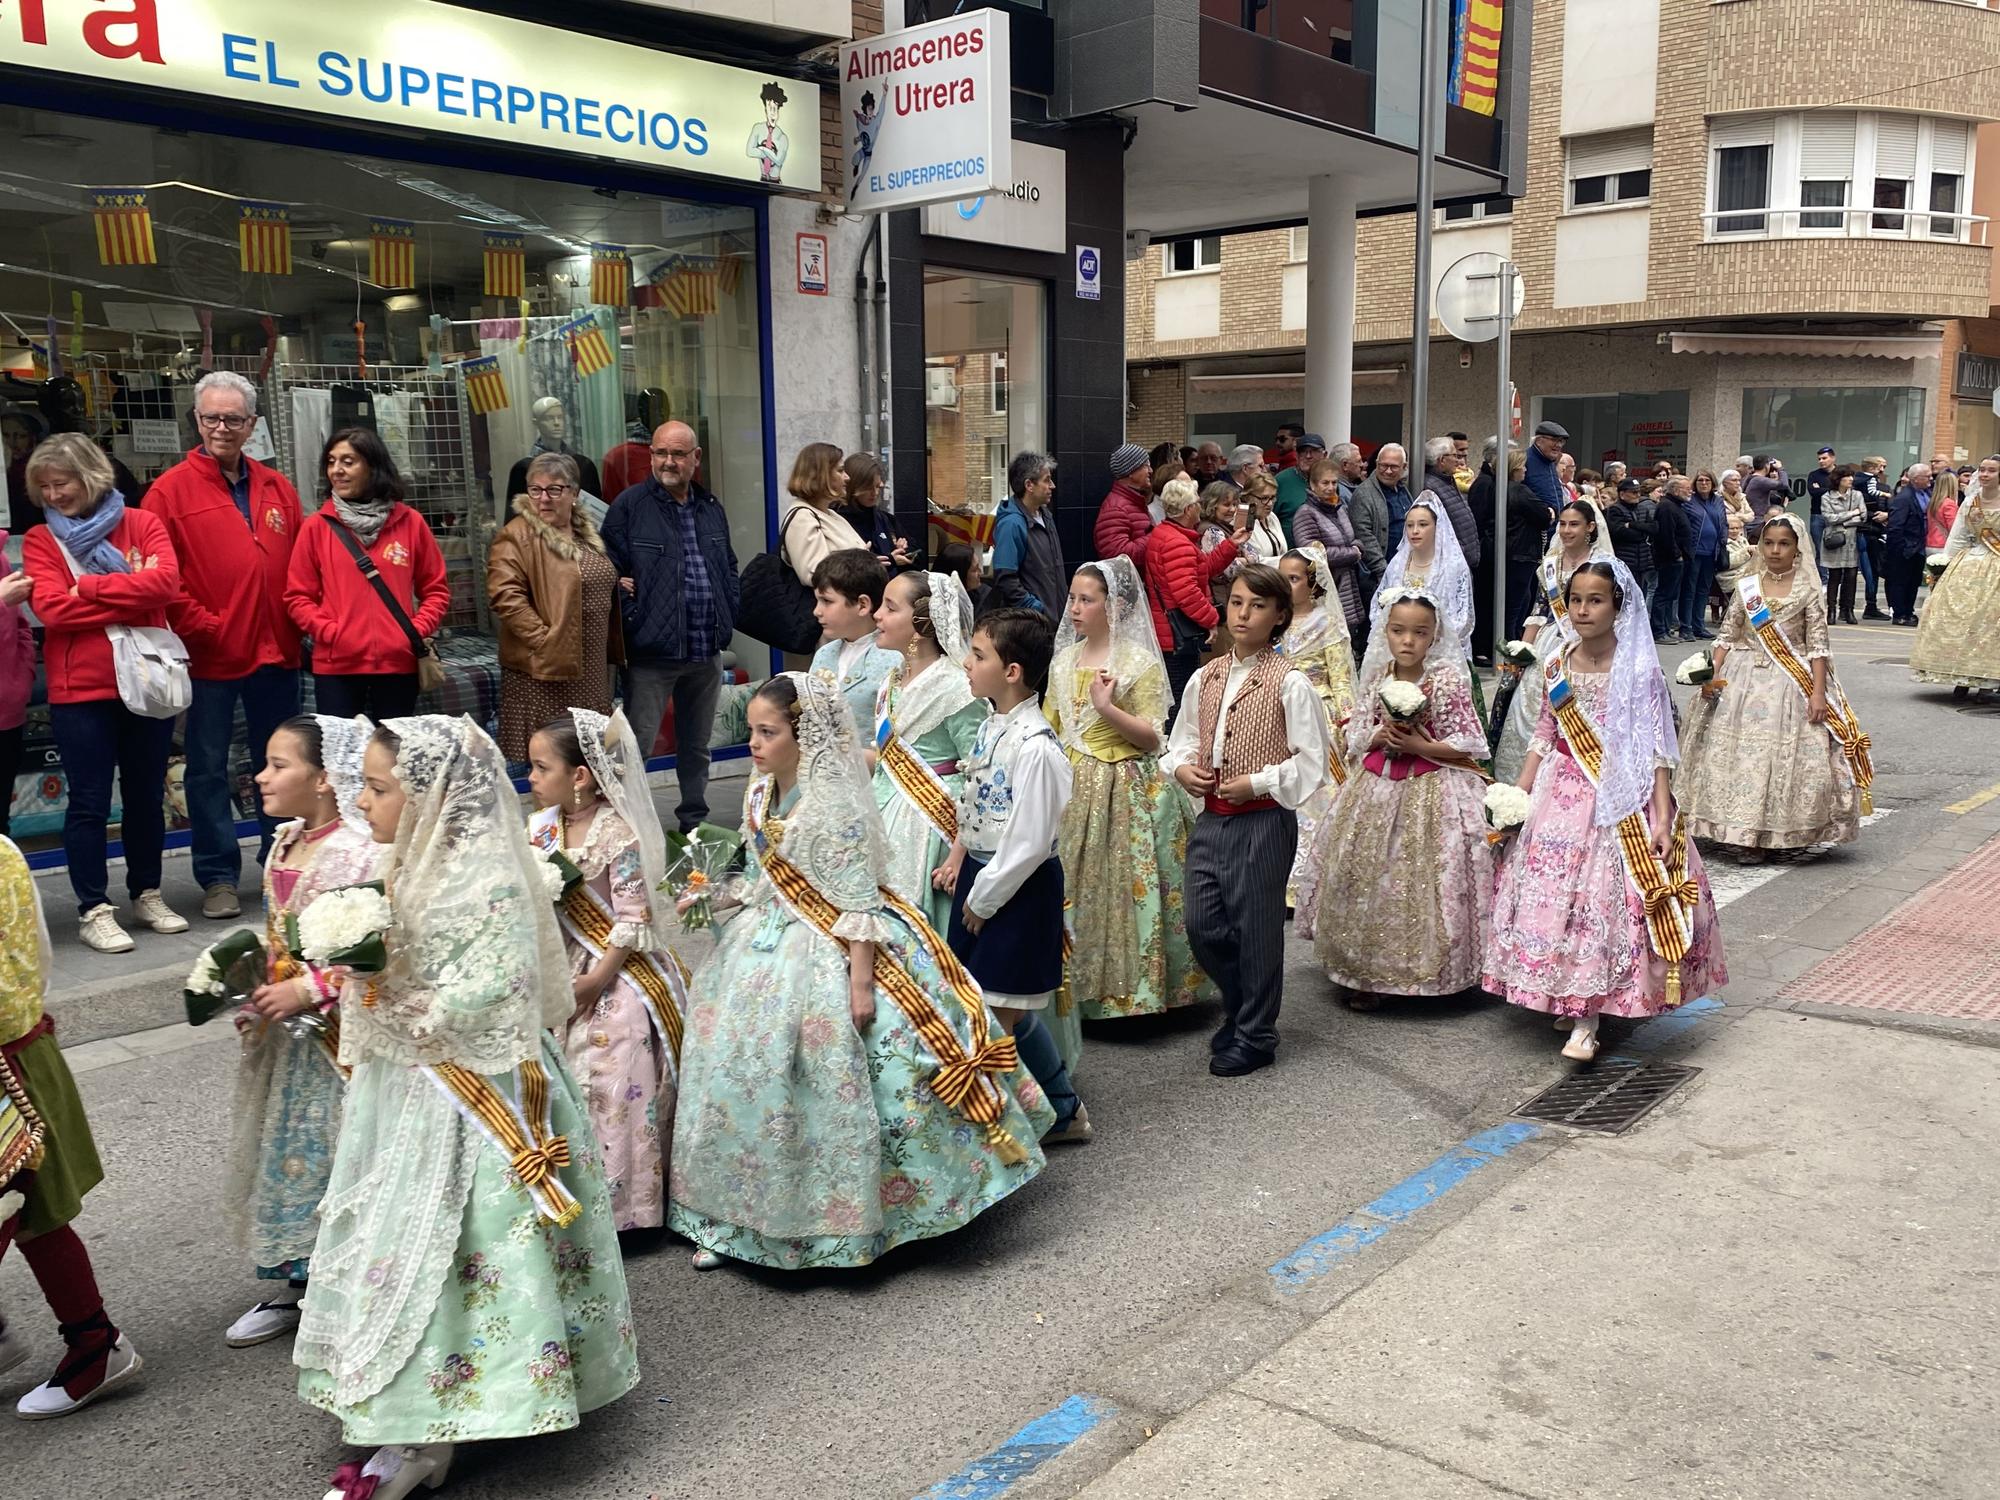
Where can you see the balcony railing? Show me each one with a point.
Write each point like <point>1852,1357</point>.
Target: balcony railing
<point>1726,226</point>
<point>1324,28</point>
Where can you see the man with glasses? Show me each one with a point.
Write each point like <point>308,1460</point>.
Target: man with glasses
<point>233,521</point>
<point>669,538</point>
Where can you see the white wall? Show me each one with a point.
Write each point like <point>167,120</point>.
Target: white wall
<point>1452,243</point>
<point>1187,307</point>
<point>1601,257</point>
<point>816,362</point>
<point>1610,48</point>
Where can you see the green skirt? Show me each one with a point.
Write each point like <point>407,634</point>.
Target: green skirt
<point>70,1167</point>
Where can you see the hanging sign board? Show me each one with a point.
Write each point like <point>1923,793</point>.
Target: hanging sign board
<point>426,67</point>
<point>925,112</point>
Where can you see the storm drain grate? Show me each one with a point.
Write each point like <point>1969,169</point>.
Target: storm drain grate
<point>1608,1098</point>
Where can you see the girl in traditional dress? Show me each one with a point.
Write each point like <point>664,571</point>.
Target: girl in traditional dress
<point>1958,637</point>
<point>289,1079</point>
<point>847,1089</point>
<point>1775,758</point>
<point>1317,644</point>
<point>466,1281</point>
<point>1405,872</point>
<point>1581,534</point>
<point>1431,559</point>
<point>1602,906</point>
<point>925,721</point>
<point>623,1039</point>
<point>1125,832</point>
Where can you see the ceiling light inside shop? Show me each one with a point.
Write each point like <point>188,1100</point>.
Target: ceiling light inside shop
<point>402,302</point>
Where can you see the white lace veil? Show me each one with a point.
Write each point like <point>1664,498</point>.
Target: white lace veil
<point>1135,645</point>
<point>476,964</point>
<point>835,835</point>
<point>1638,726</point>
<point>951,615</point>
<point>1600,546</point>
<point>342,744</point>
<point>1375,663</point>
<point>1808,564</point>
<point>1448,579</point>
<point>1328,601</point>
<point>611,751</point>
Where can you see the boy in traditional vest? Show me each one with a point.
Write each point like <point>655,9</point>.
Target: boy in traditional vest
<point>1250,740</point>
<point>1003,873</point>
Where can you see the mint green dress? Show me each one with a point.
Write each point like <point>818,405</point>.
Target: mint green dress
<point>940,718</point>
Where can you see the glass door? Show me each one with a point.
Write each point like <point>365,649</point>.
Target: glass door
<point>986,393</point>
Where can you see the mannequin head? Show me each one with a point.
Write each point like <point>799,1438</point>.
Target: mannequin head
<point>551,421</point>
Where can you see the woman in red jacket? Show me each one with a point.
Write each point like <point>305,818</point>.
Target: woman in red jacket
<point>364,660</point>
<point>119,569</point>
<point>1178,574</point>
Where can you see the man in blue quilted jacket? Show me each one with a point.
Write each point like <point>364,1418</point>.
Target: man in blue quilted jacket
<point>677,592</point>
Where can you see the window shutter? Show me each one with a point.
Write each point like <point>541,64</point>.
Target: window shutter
<point>1896,146</point>
<point>1741,130</point>
<point>1610,152</point>
<point>1826,147</point>
<point>1948,147</point>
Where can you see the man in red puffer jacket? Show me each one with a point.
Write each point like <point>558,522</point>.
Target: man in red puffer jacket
<point>1178,575</point>
<point>233,522</point>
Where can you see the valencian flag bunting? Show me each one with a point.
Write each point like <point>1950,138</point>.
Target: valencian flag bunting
<point>392,253</point>
<point>610,276</point>
<point>264,235</point>
<point>485,386</point>
<point>588,348</point>
<point>506,266</point>
<point>124,227</point>
<point>1475,54</point>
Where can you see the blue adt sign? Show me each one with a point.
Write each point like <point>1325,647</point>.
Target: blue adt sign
<point>1089,273</point>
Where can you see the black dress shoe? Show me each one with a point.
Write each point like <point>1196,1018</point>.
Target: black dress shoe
<point>1237,1061</point>
<point>1872,613</point>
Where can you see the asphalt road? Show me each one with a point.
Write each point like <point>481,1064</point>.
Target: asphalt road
<point>877,1384</point>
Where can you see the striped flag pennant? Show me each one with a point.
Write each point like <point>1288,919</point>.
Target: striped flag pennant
<point>485,386</point>
<point>506,266</point>
<point>392,253</point>
<point>264,236</point>
<point>731,274</point>
<point>692,293</point>
<point>974,528</point>
<point>610,276</point>
<point>589,350</point>
<point>124,218</point>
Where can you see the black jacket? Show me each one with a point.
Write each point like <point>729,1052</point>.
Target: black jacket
<point>644,540</point>
<point>1673,533</point>
<point>1632,528</point>
<point>1528,521</point>
<point>1818,482</point>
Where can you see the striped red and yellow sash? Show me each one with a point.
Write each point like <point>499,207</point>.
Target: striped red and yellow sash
<point>665,994</point>
<point>967,1077</point>
<point>522,1133</point>
<point>1840,720</point>
<point>1670,894</point>
<point>917,781</point>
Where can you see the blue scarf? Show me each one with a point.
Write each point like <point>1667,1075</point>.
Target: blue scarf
<point>86,536</point>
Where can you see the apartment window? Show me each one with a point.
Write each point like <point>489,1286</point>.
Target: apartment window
<point>1471,213</point>
<point>1610,168</point>
<point>1948,152</point>
<point>1826,168</point>
<point>1300,239</point>
<point>1833,172</point>
<point>1742,181</point>
<point>1203,254</point>
<point>1895,169</point>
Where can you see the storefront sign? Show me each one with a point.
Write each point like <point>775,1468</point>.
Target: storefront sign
<point>156,435</point>
<point>924,112</point>
<point>812,264</point>
<point>1089,273</point>
<point>1029,212</point>
<point>423,66</point>
<point>1977,376</point>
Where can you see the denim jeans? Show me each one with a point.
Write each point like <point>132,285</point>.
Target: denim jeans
<point>1700,578</point>
<point>1667,598</point>
<point>270,696</point>
<point>98,740</point>
<point>694,687</point>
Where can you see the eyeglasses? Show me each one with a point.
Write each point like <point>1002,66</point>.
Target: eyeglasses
<point>683,454</point>
<point>548,491</point>
<point>232,423</point>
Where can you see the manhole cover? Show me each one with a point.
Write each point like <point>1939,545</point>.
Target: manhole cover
<point>1608,1097</point>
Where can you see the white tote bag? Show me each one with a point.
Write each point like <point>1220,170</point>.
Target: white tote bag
<point>151,663</point>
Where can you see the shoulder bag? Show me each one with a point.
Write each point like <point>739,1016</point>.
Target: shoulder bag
<point>150,661</point>
<point>775,607</point>
<point>430,671</point>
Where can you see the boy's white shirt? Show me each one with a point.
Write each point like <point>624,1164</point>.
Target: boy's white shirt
<point>1018,827</point>
<point>1291,782</point>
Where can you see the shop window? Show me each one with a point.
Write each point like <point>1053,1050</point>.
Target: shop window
<point>986,357</point>
<point>1791,422</point>
<point>1182,257</point>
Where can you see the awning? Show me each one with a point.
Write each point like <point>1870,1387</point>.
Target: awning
<point>1811,345</point>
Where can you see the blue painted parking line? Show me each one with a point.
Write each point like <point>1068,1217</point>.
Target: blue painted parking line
<point>1415,1193</point>
<point>1024,1452</point>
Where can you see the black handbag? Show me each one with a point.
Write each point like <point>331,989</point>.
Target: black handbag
<point>775,607</point>
<point>1188,636</point>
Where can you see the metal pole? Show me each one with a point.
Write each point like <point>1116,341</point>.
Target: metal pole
<point>1502,431</point>
<point>1420,320</point>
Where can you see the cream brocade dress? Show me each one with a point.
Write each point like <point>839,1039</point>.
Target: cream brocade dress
<point>1755,772</point>
<point>1958,639</point>
<point>1313,646</point>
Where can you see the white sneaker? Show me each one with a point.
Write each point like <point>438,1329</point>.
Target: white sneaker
<point>50,1400</point>
<point>100,930</point>
<point>152,909</point>
<point>264,1322</point>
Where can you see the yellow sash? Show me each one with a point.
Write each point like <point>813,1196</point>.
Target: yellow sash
<point>916,780</point>
<point>1840,720</point>
<point>521,1132</point>
<point>1669,894</point>
<point>966,1079</point>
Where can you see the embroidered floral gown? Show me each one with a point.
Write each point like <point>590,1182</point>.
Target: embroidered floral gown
<point>800,1141</point>
<point>1510,749</point>
<point>288,1088</point>
<point>1568,934</point>
<point>1755,772</point>
<point>622,1067</point>
<point>1405,872</point>
<point>1124,841</point>
<point>940,718</point>
<point>1958,637</point>
<point>1319,646</point>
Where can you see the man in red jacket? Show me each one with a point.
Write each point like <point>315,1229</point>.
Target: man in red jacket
<point>233,522</point>
<point>1125,519</point>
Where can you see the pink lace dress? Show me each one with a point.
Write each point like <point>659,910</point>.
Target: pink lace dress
<point>1568,933</point>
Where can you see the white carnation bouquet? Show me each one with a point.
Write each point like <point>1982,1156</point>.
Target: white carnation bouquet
<point>345,928</point>
<point>1934,567</point>
<point>1506,809</point>
<point>1516,656</point>
<point>1405,702</point>
<point>559,873</point>
<point>228,971</point>
<point>1696,670</point>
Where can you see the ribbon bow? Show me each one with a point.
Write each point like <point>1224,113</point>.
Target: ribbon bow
<point>350,1482</point>
<point>954,1082</point>
<point>1687,893</point>
<point>537,1164</point>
